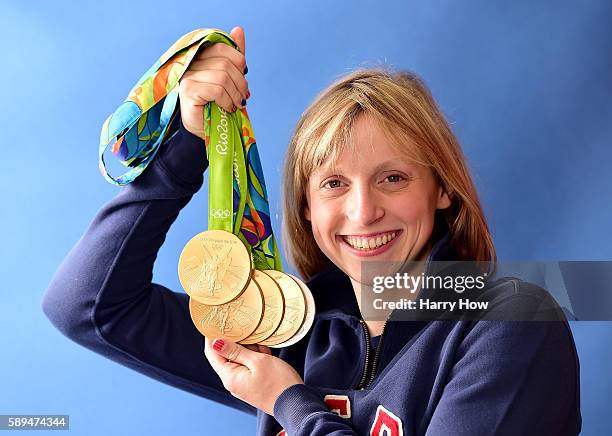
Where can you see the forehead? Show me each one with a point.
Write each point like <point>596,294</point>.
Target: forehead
<point>369,143</point>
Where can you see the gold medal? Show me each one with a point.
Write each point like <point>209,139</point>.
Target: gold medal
<point>214,267</point>
<point>274,308</point>
<point>234,320</point>
<point>308,319</point>
<point>295,308</point>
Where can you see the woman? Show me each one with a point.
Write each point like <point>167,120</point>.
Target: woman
<point>372,172</point>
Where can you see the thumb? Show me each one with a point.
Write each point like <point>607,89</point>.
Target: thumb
<point>233,352</point>
<point>237,35</point>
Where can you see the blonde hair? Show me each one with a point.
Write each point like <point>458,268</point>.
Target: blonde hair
<point>403,106</point>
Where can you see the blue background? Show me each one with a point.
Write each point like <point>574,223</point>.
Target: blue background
<point>527,90</point>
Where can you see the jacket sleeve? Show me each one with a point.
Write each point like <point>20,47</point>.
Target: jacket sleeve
<point>102,295</point>
<point>301,412</point>
<point>510,378</point>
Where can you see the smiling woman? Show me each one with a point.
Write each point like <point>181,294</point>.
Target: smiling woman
<point>368,146</point>
<point>373,195</point>
<point>372,172</point>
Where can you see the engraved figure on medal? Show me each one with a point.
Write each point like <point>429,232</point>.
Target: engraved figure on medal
<point>222,317</point>
<point>293,306</point>
<point>234,320</point>
<point>270,313</point>
<point>214,267</point>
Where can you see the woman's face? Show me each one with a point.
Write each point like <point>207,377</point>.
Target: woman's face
<point>374,204</point>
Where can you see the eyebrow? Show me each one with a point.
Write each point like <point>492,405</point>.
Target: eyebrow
<point>324,170</point>
<point>390,162</point>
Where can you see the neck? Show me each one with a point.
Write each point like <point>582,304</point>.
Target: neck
<point>375,326</point>
<point>367,290</point>
<point>361,289</point>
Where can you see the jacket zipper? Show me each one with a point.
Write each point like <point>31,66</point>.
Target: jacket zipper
<point>367,356</point>
<point>376,356</point>
<point>364,376</point>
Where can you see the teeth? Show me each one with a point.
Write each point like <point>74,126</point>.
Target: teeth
<point>369,243</point>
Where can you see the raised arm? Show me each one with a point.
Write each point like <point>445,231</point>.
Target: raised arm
<point>102,295</point>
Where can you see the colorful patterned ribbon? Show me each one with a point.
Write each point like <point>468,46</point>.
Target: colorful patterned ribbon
<point>140,125</point>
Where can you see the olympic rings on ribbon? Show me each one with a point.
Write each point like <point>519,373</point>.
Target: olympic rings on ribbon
<point>218,213</point>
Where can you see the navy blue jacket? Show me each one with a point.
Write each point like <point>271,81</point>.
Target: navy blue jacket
<point>431,377</point>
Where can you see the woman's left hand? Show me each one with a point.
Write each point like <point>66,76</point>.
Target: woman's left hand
<point>256,377</point>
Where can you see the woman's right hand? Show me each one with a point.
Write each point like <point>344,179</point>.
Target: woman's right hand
<point>215,74</point>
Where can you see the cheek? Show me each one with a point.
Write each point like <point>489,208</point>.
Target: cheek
<point>323,219</point>
<point>415,211</point>
<point>321,224</point>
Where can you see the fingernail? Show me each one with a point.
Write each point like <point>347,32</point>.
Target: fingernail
<point>246,69</point>
<point>248,93</point>
<point>218,344</point>
<point>243,102</point>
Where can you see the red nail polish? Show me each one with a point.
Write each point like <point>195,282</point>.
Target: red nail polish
<point>248,93</point>
<point>218,344</point>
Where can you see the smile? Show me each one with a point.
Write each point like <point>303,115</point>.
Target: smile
<point>370,242</point>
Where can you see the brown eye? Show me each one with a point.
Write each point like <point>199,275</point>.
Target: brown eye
<point>335,183</point>
<point>394,178</point>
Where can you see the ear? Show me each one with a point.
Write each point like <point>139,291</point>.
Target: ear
<point>307,213</point>
<point>307,205</point>
<point>443,199</point>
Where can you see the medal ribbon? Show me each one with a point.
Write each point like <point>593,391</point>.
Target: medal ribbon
<point>238,201</point>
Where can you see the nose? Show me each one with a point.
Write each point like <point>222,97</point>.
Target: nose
<point>362,206</point>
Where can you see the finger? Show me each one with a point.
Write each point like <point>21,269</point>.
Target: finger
<point>220,64</point>
<point>235,352</point>
<point>224,50</point>
<point>229,372</point>
<point>216,361</point>
<point>218,77</point>
<point>237,35</point>
<point>201,92</point>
